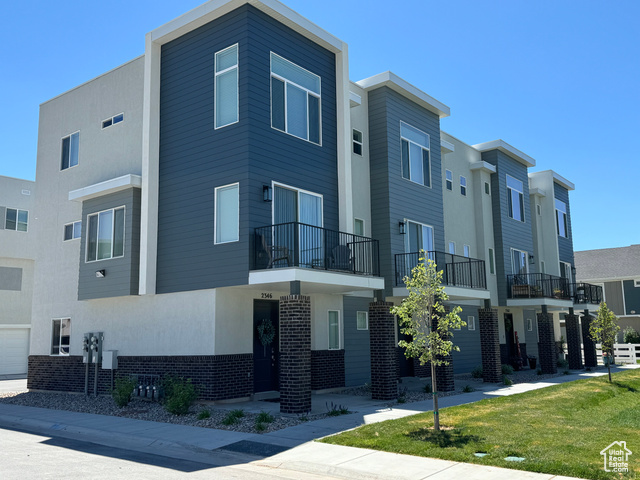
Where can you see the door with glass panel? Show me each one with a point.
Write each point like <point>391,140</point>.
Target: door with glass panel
<point>419,237</point>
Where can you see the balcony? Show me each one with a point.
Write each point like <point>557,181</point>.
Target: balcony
<point>295,244</point>
<point>457,271</point>
<point>586,294</point>
<point>538,285</point>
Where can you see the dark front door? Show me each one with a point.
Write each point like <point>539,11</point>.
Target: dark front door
<point>265,345</point>
<point>508,335</point>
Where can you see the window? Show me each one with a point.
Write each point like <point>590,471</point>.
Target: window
<point>16,219</point>
<point>538,209</point>
<point>419,237</point>
<point>70,147</point>
<point>452,248</point>
<point>463,185</point>
<point>113,120</point>
<point>561,219</point>
<point>487,188</point>
<point>105,234</point>
<point>60,335</point>
<point>636,283</point>
<point>565,271</point>
<point>334,330</point>
<point>227,211</point>
<point>542,267</point>
<point>357,142</point>
<point>415,155</point>
<point>471,322</point>
<point>362,321</point>
<point>515,198</point>
<point>529,325</point>
<point>358,227</point>
<point>467,251</point>
<point>492,262</point>
<point>449,179</point>
<point>519,265</point>
<point>72,230</point>
<point>295,100</point>
<point>226,86</point>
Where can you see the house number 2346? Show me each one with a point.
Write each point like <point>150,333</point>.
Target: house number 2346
<point>266,295</point>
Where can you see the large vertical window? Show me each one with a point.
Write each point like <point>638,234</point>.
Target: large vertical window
<point>515,198</point>
<point>16,219</point>
<point>105,234</point>
<point>226,86</point>
<point>463,185</point>
<point>60,336</point>
<point>416,165</point>
<point>295,99</point>
<point>419,237</point>
<point>565,271</point>
<point>492,262</point>
<point>519,264</point>
<point>334,330</point>
<point>227,208</point>
<point>561,219</point>
<point>70,148</point>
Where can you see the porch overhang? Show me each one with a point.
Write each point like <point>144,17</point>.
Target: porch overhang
<point>592,307</point>
<point>315,281</point>
<point>554,303</point>
<point>454,293</point>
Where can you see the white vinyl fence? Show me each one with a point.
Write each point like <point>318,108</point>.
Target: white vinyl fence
<point>622,352</point>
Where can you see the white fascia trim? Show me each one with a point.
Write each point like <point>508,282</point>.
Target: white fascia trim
<point>535,302</point>
<point>557,178</point>
<point>588,306</point>
<point>394,82</point>
<point>216,8</point>
<point>355,100</point>
<point>504,147</point>
<point>276,275</point>
<point>483,166</point>
<point>537,191</point>
<point>454,293</point>
<point>105,188</point>
<point>447,147</point>
<point>16,325</point>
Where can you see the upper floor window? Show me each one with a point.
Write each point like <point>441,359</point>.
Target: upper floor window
<point>357,142</point>
<point>467,251</point>
<point>515,198</point>
<point>16,219</point>
<point>449,179</point>
<point>113,120</point>
<point>452,248</point>
<point>227,213</point>
<point>487,188</point>
<point>72,230</point>
<point>416,165</point>
<point>226,86</point>
<point>358,226</point>
<point>295,100</point>
<point>561,219</point>
<point>105,234</point>
<point>463,185</point>
<point>70,147</point>
<point>519,263</point>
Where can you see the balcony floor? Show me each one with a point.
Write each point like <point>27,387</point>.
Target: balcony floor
<point>537,301</point>
<point>454,293</point>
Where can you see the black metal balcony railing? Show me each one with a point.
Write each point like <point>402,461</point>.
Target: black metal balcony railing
<point>297,244</point>
<point>538,285</point>
<point>457,271</point>
<point>586,293</point>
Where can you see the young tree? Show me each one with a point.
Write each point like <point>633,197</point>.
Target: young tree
<point>422,317</point>
<point>603,330</point>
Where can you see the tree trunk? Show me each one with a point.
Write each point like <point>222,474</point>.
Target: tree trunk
<point>434,393</point>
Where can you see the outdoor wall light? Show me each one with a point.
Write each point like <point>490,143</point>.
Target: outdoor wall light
<point>402,228</point>
<point>267,193</point>
<point>532,259</point>
<point>101,273</point>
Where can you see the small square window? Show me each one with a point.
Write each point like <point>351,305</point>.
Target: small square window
<point>358,227</point>
<point>449,179</point>
<point>113,120</point>
<point>357,142</point>
<point>60,336</point>
<point>72,230</point>
<point>487,188</point>
<point>636,283</point>
<point>463,185</point>
<point>452,248</point>
<point>363,320</point>
<point>471,322</point>
<point>467,251</point>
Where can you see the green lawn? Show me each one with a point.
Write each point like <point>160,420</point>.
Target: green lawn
<point>558,430</point>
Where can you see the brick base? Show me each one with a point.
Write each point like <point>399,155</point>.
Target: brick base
<point>490,345</point>
<point>444,376</point>
<point>384,373</point>
<point>573,341</point>
<point>547,350</point>
<point>327,369</point>
<point>590,355</point>
<point>217,377</point>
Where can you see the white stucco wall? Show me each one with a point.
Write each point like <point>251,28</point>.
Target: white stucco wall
<point>360,177</point>
<point>544,225</point>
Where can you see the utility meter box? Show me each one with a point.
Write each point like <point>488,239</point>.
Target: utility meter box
<point>95,346</point>
<point>110,360</point>
<point>86,341</point>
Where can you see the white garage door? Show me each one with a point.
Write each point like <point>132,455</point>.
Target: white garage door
<point>14,350</point>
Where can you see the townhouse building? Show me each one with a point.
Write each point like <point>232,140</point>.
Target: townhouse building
<point>245,215</point>
<point>16,272</point>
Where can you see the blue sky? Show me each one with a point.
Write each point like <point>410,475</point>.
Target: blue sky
<point>559,80</point>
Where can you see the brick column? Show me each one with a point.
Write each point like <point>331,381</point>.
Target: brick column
<point>490,345</point>
<point>547,349</point>
<point>444,373</point>
<point>590,356</point>
<point>573,342</point>
<point>295,354</point>
<point>384,382</point>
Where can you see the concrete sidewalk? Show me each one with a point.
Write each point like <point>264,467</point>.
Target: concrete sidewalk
<point>289,449</point>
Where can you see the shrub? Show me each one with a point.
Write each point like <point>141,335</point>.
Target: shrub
<point>507,381</point>
<point>468,389</point>
<point>539,371</point>
<point>123,390</point>
<point>507,369</point>
<point>562,363</point>
<point>402,394</point>
<point>630,335</point>
<point>566,372</point>
<point>264,417</point>
<point>204,414</point>
<point>230,419</point>
<point>260,427</point>
<point>334,409</point>
<point>428,388</point>
<point>179,394</point>
<point>477,372</point>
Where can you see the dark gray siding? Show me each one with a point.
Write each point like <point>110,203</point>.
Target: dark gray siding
<point>10,278</point>
<point>565,245</point>
<point>394,198</point>
<point>357,360</point>
<point>631,298</point>
<point>195,158</point>
<point>121,273</point>
<point>470,355</point>
<point>613,297</point>
<point>508,233</point>
<point>531,337</point>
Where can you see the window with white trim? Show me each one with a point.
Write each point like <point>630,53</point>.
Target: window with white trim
<point>449,179</point>
<point>334,329</point>
<point>70,149</point>
<point>60,336</point>
<point>519,264</point>
<point>113,120</point>
<point>471,322</point>
<point>463,186</point>
<point>227,213</point>
<point>492,262</point>
<point>416,164</point>
<point>295,100</point>
<point>538,209</point>
<point>515,198</point>
<point>105,234</point>
<point>362,320</point>
<point>358,227</point>
<point>16,219</point>
<point>561,219</point>
<point>72,230</point>
<point>467,251</point>
<point>226,86</point>
<point>452,248</point>
<point>636,283</point>
<point>357,142</point>
<point>487,188</point>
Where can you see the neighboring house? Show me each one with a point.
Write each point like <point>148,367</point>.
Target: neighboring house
<point>617,270</point>
<point>16,272</point>
<point>240,208</point>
